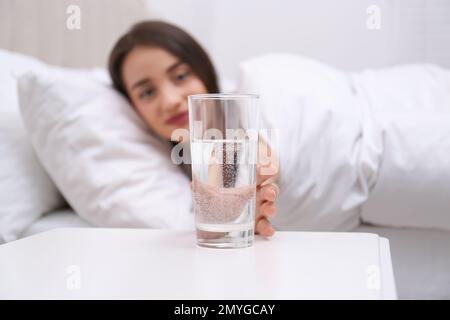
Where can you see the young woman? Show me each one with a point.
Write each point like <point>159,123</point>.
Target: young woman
<point>156,66</point>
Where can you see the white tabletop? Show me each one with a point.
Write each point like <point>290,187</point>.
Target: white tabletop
<point>93,263</point>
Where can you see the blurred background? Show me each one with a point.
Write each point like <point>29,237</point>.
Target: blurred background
<point>349,34</point>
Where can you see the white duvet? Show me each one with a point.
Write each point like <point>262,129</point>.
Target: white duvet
<point>373,145</point>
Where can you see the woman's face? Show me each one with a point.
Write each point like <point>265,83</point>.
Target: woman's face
<point>158,84</point>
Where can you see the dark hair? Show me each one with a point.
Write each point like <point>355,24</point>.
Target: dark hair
<point>166,36</point>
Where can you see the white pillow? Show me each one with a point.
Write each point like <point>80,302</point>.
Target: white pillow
<point>100,154</point>
<point>26,191</point>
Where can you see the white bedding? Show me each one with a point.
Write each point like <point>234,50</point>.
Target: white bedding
<point>57,219</point>
<point>26,190</point>
<point>406,129</point>
<point>372,144</point>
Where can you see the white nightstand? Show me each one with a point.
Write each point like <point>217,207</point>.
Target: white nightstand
<point>93,263</point>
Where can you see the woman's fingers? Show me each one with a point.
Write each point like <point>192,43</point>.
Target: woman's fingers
<point>268,193</point>
<point>267,209</point>
<point>264,228</point>
<point>275,188</point>
<point>266,197</point>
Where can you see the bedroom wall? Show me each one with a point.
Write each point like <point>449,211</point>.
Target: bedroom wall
<point>40,28</point>
<point>335,32</point>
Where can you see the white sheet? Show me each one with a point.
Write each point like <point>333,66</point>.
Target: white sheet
<point>57,219</point>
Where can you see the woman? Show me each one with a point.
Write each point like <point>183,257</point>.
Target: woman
<point>156,66</point>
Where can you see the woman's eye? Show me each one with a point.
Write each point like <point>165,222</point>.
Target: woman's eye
<point>182,76</point>
<point>146,93</point>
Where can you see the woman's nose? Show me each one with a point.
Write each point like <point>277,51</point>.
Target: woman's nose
<point>172,100</point>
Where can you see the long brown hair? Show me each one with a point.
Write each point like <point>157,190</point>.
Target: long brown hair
<point>166,36</point>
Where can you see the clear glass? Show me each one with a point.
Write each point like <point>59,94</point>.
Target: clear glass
<point>223,132</point>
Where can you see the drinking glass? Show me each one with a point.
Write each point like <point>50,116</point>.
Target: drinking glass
<point>223,132</point>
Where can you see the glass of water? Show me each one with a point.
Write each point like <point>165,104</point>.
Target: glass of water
<point>223,132</point>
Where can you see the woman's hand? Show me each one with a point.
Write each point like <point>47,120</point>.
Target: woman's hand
<point>266,194</point>
<point>266,189</point>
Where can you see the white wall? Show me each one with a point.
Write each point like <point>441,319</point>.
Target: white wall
<point>329,30</point>
<point>39,28</point>
<point>333,31</point>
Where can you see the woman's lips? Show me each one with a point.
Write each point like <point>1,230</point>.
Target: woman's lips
<point>179,119</point>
